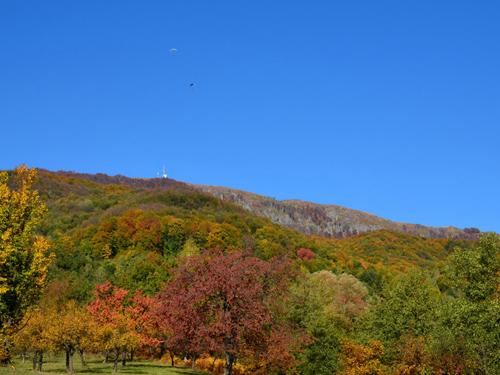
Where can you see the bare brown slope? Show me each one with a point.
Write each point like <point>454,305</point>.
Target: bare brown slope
<point>306,217</point>
<point>328,220</point>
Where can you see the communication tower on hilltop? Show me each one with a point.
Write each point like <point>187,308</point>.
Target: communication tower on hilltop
<point>164,174</point>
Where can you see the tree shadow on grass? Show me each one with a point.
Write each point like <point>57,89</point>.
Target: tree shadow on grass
<point>55,365</point>
<point>130,369</point>
<point>156,369</point>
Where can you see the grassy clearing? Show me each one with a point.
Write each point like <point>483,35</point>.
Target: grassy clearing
<point>56,364</point>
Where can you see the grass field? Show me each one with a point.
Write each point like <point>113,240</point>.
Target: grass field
<point>56,365</point>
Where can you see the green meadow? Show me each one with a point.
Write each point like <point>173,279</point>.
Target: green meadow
<point>55,364</point>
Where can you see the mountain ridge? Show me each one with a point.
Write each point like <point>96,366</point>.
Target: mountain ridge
<point>331,221</point>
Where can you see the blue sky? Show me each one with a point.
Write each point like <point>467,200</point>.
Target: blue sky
<point>389,107</point>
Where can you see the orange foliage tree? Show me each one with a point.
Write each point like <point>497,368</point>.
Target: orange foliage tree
<point>412,356</point>
<point>116,327</point>
<point>363,359</point>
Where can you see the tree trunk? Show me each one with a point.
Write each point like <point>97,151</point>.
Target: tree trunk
<point>484,359</point>
<point>151,353</point>
<point>124,358</point>
<point>106,356</point>
<point>35,360</point>
<point>213,364</point>
<point>23,356</point>
<point>117,354</point>
<point>193,358</point>
<point>5,356</point>
<point>172,358</point>
<point>40,361</point>
<point>84,365</point>
<point>132,355</point>
<point>67,361</point>
<point>69,356</point>
<point>162,350</point>
<point>229,364</point>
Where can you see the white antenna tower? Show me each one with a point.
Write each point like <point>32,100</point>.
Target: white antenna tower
<point>164,174</point>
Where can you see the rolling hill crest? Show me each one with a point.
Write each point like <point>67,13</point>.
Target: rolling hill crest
<point>330,221</point>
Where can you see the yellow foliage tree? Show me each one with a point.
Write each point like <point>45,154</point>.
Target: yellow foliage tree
<point>71,330</point>
<point>363,360</point>
<point>35,336</point>
<point>345,297</point>
<point>24,256</point>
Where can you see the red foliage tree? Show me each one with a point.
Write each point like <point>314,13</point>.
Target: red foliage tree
<point>305,254</point>
<point>232,304</point>
<point>111,310</point>
<point>143,318</point>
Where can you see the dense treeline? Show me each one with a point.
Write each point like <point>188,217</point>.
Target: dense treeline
<point>131,236</point>
<point>130,274</point>
<point>268,317</point>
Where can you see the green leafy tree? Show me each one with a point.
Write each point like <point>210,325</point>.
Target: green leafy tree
<point>327,307</point>
<point>23,254</point>
<point>345,297</point>
<point>309,311</point>
<point>407,305</point>
<point>474,317</point>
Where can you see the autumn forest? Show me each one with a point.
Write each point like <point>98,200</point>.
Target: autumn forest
<point>165,273</point>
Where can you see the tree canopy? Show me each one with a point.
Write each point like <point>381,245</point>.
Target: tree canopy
<point>24,258</point>
<point>232,303</point>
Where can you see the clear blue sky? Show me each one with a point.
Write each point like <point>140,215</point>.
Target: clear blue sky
<point>389,107</point>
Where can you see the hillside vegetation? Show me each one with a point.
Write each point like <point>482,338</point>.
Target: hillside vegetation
<point>163,270</point>
<point>128,233</point>
<point>306,217</point>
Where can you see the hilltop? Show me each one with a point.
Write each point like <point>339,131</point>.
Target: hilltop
<point>309,218</point>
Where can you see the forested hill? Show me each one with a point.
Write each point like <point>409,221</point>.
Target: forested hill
<point>165,239</point>
<point>130,231</point>
<point>309,218</point>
